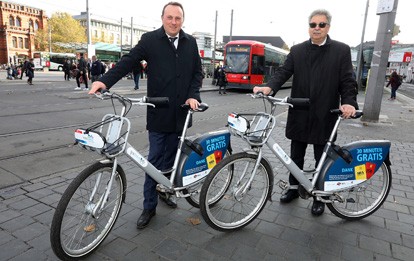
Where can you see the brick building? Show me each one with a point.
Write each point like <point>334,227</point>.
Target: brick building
<point>18,24</point>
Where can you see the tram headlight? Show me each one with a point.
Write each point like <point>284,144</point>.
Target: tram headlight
<point>245,77</point>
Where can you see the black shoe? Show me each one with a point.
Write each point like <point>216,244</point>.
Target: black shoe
<point>290,195</point>
<point>220,93</point>
<point>145,218</point>
<point>318,208</point>
<point>167,199</point>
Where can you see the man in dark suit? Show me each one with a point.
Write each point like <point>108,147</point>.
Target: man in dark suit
<point>174,71</point>
<point>322,71</point>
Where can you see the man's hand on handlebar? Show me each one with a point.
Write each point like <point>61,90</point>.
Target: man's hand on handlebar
<point>265,90</point>
<point>347,111</point>
<point>97,86</point>
<point>193,103</point>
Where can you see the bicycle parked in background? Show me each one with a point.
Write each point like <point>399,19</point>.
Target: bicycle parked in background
<point>353,180</point>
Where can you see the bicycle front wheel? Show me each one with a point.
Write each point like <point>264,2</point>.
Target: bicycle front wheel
<point>238,193</point>
<point>79,224</point>
<point>365,198</point>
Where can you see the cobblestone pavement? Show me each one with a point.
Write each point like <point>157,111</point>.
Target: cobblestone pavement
<point>281,232</point>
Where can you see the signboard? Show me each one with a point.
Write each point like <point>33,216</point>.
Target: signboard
<point>385,6</point>
<point>407,57</point>
<point>400,57</point>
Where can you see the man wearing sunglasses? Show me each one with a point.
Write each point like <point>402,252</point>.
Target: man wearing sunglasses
<point>322,71</point>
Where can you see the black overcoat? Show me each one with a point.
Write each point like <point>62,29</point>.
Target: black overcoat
<point>323,74</point>
<point>175,74</point>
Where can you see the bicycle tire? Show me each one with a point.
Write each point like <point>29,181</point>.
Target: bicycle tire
<point>232,210</point>
<point>365,198</point>
<point>75,232</point>
<point>194,199</point>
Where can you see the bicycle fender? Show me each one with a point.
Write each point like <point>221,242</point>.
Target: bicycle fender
<point>194,167</point>
<point>367,157</point>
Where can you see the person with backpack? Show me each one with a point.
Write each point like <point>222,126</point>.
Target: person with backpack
<point>395,82</point>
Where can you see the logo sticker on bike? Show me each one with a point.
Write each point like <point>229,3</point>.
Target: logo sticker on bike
<point>280,152</point>
<point>137,157</point>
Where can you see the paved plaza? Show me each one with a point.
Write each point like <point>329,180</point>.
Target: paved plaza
<point>281,232</point>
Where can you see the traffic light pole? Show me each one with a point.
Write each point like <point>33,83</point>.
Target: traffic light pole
<point>375,86</point>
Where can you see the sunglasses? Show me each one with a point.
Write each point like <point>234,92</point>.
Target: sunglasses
<point>321,25</point>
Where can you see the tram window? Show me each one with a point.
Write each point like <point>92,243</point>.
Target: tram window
<point>258,64</point>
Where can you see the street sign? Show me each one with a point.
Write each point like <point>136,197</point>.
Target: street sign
<point>385,6</point>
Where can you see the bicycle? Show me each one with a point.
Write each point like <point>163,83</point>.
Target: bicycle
<point>353,180</point>
<point>92,202</point>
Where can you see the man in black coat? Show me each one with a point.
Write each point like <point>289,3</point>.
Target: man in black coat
<point>322,71</point>
<point>174,71</point>
<point>83,70</point>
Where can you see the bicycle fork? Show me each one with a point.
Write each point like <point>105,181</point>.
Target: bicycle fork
<point>96,208</point>
<point>242,189</point>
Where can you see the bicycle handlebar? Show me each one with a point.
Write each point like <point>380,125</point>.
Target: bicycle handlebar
<point>302,102</point>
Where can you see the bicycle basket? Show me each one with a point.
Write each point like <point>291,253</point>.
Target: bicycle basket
<point>116,129</point>
<point>254,130</point>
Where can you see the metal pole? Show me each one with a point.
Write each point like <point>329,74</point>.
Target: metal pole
<point>360,52</point>
<point>132,31</point>
<point>214,47</point>
<point>50,38</point>
<point>88,22</point>
<point>120,54</point>
<point>231,25</point>
<point>375,88</point>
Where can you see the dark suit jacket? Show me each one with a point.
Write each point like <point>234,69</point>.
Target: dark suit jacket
<point>175,74</point>
<point>323,74</point>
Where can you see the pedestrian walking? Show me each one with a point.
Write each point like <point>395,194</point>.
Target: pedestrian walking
<point>66,69</point>
<point>395,82</point>
<point>23,68</point>
<point>136,74</point>
<point>82,72</point>
<point>322,71</point>
<point>174,71</point>
<point>96,69</point>
<point>221,80</point>
<point>30,71</point>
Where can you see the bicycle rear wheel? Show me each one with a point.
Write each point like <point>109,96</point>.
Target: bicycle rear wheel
<point>77,227</point>
<point>237,203</point>
<point>365,198</point>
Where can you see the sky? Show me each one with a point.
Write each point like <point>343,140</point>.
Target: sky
<point>287,19</point>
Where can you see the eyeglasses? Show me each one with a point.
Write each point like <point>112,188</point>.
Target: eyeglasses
<point>321,25</point>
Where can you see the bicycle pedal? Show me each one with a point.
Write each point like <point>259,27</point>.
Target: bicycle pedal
<point>283,184</point>
<point>163,189</point>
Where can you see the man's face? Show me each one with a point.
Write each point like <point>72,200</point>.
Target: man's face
<point>318,34</point>
<point>172,20</point>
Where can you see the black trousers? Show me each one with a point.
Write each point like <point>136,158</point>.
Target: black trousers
<point>297,153</point>
<point>84,77</point>
<point>162,151</point>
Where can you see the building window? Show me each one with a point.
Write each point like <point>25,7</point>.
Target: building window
<point>26,43</point>
<point>36,26</point>
<point>20,43</point>
<point>18,21</point>
<point>31,24</point>
<point>14,41</point>
<point>11,21</point>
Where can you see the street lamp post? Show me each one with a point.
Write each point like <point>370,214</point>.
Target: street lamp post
<point>214,48</point>
<point>360,52</point>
